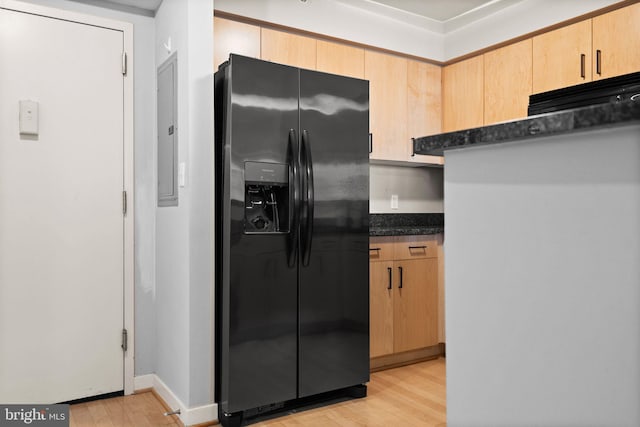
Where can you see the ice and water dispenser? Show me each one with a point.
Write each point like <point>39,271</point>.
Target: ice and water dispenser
<point>266,197</point>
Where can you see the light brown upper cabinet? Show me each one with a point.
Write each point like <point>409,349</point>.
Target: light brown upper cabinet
<point>562,57</point>
<point>616,42</point>
<point>507,82</point>
<point>234,37</point>
<point>340,59</point>
<point>387,75</point>
<point>288,49</point>
<point>463,94</point>
<point>424,101</point>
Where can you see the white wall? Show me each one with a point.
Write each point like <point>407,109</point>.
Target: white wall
<point>172,223</point>
<point>201,255</point>
<point>543,282</point>
<point>184,249</point>
<point>419,189</point>
<point>145,198</point>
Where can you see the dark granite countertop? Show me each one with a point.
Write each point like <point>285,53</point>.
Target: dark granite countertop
<point>405,224</point>
<point>561,122</point>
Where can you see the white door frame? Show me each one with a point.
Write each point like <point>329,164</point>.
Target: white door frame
<point>128,179</point>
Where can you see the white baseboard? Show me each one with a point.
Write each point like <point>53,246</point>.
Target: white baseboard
<point>201,414</point>
<point>143,382</point>
<point>188,416</point>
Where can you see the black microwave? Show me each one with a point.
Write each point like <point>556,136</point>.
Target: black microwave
<point>614,89</point>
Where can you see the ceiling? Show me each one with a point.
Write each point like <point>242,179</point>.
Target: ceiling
<point>436,15</point>
<point>438,10</point>
<point>151,5</point>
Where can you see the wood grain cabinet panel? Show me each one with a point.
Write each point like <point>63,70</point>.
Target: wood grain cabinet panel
<point>415,322</point>
<point>616,42</point>
<point>424,105</point>
<point>404,295</point>
<point>381,308</point>
<point>562,57</point>
<point>387,75</point>
<point>381,248</point>
<point>234,37</point>
<point>463,94</point>
<point>415,247</point>
<point>507,82</point>
<point>340,59</point>
<point>289,49</point>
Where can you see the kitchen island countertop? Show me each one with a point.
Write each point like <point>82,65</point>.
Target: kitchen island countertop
<point>594,117</point>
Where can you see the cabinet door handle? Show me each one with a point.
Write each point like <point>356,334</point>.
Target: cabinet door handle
<point>390,285</point>
<point>375,249</point>
<point>583,59</point>
<point>599,62</point>
<point>400,286</point>
<point>370,143</point>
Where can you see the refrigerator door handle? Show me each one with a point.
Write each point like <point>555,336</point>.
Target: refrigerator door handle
<point>307,197</point>
<point>294,199</point>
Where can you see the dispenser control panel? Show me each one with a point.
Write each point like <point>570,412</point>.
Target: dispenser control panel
<point>266,197</point>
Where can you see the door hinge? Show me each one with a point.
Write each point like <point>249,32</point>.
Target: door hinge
<point>124,63</point>
<point>124,203</point>
<point>124,344</point>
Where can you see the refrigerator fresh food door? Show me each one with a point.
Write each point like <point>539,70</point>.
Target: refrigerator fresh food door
<point>258,339</point>
<point>334,233</point>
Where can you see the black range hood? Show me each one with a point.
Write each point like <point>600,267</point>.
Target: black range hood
<point>614,89</point>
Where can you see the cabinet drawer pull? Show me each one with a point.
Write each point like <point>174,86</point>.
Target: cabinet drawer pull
<point>390,285</point>
<point>583,58</point>
<point>418,247</point>
<point>375,249</point>
<point>400,286</point>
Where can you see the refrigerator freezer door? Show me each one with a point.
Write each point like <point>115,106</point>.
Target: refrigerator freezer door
<point>258,338</point>
<point>334,286</point>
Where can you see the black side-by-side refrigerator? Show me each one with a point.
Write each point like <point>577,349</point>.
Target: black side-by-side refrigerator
<point>292,236</point>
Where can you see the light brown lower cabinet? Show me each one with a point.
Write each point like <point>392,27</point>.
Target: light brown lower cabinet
<point>403,294</point>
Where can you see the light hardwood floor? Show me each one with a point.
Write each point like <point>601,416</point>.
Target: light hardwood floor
<point>412,395</point>
<point>137,410</point>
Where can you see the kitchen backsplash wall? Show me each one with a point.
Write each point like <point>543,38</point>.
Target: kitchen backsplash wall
<point>419,189</point>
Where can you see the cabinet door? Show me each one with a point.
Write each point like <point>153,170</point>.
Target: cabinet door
<point>507,82</point>
<point>234,37</point>
<point>415,322</point>
<point>387,75</point>
<point>562,57</point>
<point>462,95</point>
<point>616,42</point>
<point>340,59</point>
<point>424,104</point>
<point>380,308</point>
<point>288,49</point>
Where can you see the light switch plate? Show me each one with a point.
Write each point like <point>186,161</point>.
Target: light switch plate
<point>28,117</point>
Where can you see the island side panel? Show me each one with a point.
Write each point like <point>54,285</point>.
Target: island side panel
<point>543,281</point>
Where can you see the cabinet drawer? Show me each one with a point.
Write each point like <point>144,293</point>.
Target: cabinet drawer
<point>414,247</point>
<point>381,248</point>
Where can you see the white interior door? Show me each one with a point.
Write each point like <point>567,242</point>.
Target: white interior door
<point>61,220</point>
